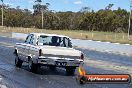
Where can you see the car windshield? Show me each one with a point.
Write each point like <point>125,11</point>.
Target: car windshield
<point>54,41</point>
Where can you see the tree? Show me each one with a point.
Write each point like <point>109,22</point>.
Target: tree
<point>85,10</point>
<point>106,20</point>
<point>38,8</point>
<point>109,7</point>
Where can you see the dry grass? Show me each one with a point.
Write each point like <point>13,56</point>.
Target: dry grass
<point>77,34</point>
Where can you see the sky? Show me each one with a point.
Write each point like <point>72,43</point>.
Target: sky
<point>70,5</point>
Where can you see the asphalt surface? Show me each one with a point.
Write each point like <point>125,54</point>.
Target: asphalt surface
<point>104,46</point>
<point>95,62</point>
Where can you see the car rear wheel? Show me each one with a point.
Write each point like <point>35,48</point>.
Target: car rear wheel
<point>33,67</point>
<point>52,67</point>
<point>18,62</point>
<point>70,70</point>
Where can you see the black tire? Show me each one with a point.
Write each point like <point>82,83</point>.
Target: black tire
<point>52,67</point>
<point>33,67</point>
<point>18,62</point>
<point>70,70</point>
<point>82,80</point>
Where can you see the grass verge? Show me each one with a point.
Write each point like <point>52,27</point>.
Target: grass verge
<point>77,34</point>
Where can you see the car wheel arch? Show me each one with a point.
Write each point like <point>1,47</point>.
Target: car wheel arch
<point>29,58</point>
<point>16,52</point>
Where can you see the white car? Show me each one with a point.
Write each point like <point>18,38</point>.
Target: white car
<point>51,50</point>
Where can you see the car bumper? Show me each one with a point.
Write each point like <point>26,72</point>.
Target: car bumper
<point>60,62</point>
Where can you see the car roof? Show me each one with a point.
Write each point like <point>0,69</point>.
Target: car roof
<point>38,34</point>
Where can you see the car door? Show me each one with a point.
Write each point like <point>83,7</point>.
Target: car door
<point>27,45</point>
<point>20,47</point>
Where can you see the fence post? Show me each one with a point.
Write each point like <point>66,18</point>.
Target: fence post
<point>92,35</point>
<point>123,36</point>
<point>115,36</point>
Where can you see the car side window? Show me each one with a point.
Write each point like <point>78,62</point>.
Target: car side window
<point>67,42</point>
<point>32,39</point>
<point>28,39</point>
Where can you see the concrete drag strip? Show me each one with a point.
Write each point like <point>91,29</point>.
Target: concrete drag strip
<point>116,62</point>
<point>104,46</point>
<point>6,44</point>
<point>100,63</point>
<point>109,66</point>
<point>1,83</point>
<point>6,71</point>
<point>22,78</point>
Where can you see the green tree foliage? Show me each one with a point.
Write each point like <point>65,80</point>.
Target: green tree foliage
<point>86,19</point>
<point>38,8</point>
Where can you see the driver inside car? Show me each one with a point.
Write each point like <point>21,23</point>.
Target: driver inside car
<point>54,41</point>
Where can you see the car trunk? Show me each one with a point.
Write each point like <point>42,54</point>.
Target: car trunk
<point>60,52</point>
